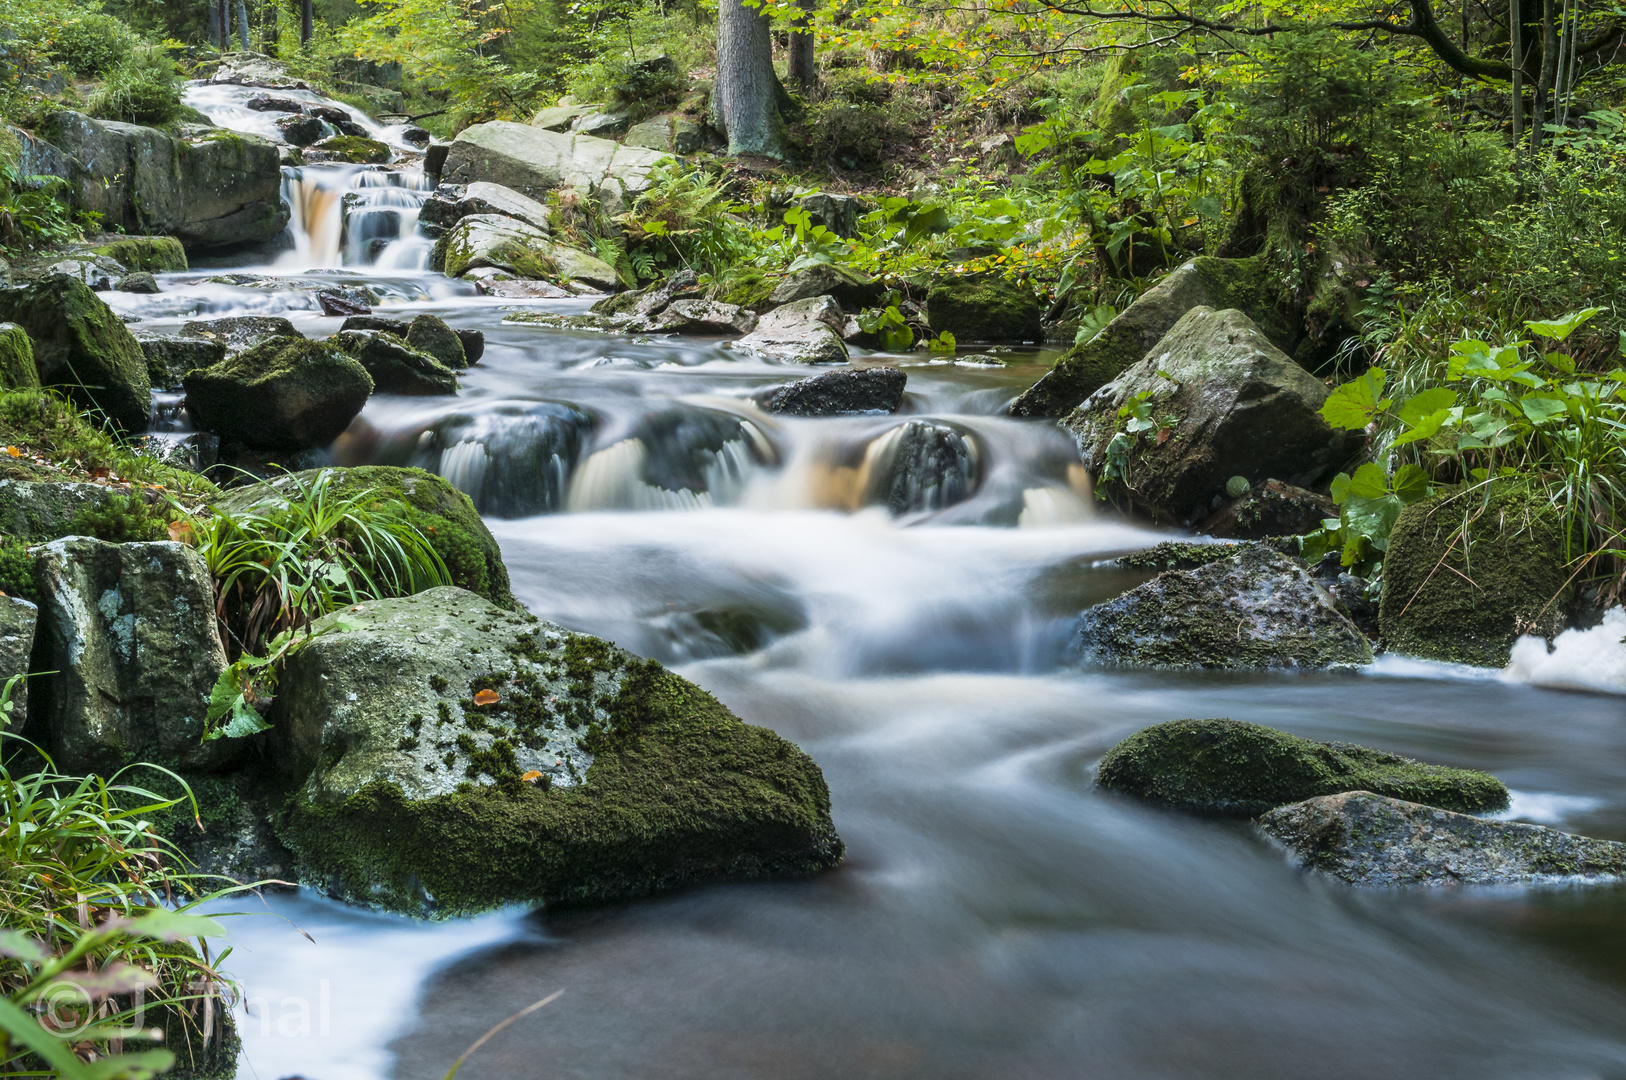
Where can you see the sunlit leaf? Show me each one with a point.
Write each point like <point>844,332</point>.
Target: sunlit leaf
<point>1352,405</point>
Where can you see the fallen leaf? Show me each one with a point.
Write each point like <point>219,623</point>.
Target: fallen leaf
<point>486,697</point>
<point>532,776</point>
<point>14,451</point>
<point>181,531</point>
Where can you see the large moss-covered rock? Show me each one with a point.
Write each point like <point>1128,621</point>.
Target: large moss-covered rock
<point>1371,840</point>
<point>1243,284</point>
<point>430,335</point>
<point>43,510</point>
<point>152,254</point>
<point>284,394</point>
<point>508,244</point>
<point>1254,609</point>
<point>130,631</point>
<point>1237,769</point>
<point>984,309</point>
<point>432,505</point>
<point>592,776</point>
<point>17,620</point>
<point>850,288</point>
<point>17,370</point>
<point>211,189</point>
<point>395,366</point>
<point>239,332</point>
<point>1226,403</point>
<point>82,346</point>
<point>171,357</point>
<point>534,161</point>
<point>353,149</point>
<point>1467,602</point>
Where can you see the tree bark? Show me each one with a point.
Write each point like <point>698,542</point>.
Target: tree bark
<point>307,23</point>
<point>1515,27</point>
<point>803,71</point>
<point>225,24</point>
<point>213,31</point>
<point>1549,74</point>
<point>743,102</point>
<point>242,23</point>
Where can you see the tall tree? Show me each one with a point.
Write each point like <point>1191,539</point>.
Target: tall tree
<point>802,70</point>
<point>242,23</point>
<point>224,7</point>
<point>744,100</point>
<point>307,23</point>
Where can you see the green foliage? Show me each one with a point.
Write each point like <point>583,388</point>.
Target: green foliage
<point>17,569</point>
<point>124,519</point>
<point>682,221</point>
<point>305,550</point>
<point>45,426</point>
<point>145,88</point>
<point>249,683</point>
<point>91,43</point>
<point>891,330</point>
<point>34,211</point>
<point>95,918</point>
<point>1368,505</point>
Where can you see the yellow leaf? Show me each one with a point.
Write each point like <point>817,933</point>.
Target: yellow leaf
<point>486,697</point>
<point>532,776</point>
<point>13,451</point>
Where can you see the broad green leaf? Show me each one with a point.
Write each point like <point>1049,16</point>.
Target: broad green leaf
<point>162,924</point>
<point>1369,482</point>
<point>1426,404</point>
<point>1340,488</point>
<point>1541,408</point>
<point>1559,329</point>
<point>1426,428</point>
<point>1410,483</point>
<point>1352,406</point>
<point>20,946</point>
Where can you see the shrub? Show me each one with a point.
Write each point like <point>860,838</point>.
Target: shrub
<point>144,89</point>
<point>124,519</point>
<point>92,43</point>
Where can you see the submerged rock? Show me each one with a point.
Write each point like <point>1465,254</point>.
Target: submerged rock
<point>82,346</point>
<point>1368,839</point>
<point>130,631</point>
<point>921,466</point>
<point>1235,769</point>
<point>511,461</point>
<point>1226,403</point>
<point>802,332</point>
<point>454,757</point>
<point>396,367</point>
<point>839,393</point>
<point>1255,609</point>
<point>984,309</point>
<point>17,620</point>
<point>286,394</point>
<point>1467,602</point>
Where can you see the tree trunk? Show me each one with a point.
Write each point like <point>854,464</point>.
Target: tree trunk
<point>213,32</point>
<point>307,23</point>
<point>1548,76</point>
<point>743,102</point>
<point>225,24</point>
<point>242,23</point>
<point>1515,27</point>
<point>803,72</point>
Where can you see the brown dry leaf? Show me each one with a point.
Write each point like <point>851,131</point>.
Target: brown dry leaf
<point>180,531</point>
<point>486,697</point>
<point>532,776</point>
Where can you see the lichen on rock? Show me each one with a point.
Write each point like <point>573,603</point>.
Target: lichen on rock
<point>1231,768</point>
<point>462,757</point>
<point>1254,609</point>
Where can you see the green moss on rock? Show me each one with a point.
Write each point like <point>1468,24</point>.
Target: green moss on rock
<point>82,346</point>
<point>355,149</point>
<point>1236,769</point>
<point>153,254</point>
<point>1177,555</point>
<point>283,394</point>
<point>984,309</point>
<point>417,800</point>
<point>746,288</point>
<point>1467,602</point>
<point>17,371</point>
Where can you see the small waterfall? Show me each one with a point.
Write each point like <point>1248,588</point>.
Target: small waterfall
<point>354,215</point>
<point>677,459</point>
<point>511,461</point>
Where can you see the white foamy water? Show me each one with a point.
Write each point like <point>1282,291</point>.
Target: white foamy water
<point>1545,807</point>
<point>1593,659</point>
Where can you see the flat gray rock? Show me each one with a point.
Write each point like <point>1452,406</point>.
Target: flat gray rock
<point>17,620</point>
<point>1371,840</point>
<point>839,393</point>
<point>803,332</point>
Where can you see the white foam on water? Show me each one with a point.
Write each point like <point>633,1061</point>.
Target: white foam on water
<point>331,1007</point>
<point>1398,666</point>
<point>1592,659</point>
<point>1544,807</point>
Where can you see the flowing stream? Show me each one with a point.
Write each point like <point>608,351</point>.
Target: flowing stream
<point>896,595</point>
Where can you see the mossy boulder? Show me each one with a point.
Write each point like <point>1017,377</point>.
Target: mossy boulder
<point>1243,284</point>
<point>170,358</point>
<point>430,335</point>
<point>1467,572</point>
<point>43,510</point>
<point>508,244</point>
<point>1254,609</point>
<point>355,149</point>
<point>433,506</point>
<point>984,309</point>
<point>1225,403</point>
<point>239,332</point>
<point>285,394</point>
<point>82,346</point>
<point>152,254</point>
<point>18,618</point>
<point>395,366</point>
<point>1235,769</point>
<point>454,757</point>
<point>17,370</point>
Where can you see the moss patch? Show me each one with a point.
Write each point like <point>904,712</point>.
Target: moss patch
<point>1177,555</point>
<point>59,444</point>
<point>1467,573</point>
<point>17,371</point>
<point>153,254</point>
<point>1236,769</point>
<point>746,288</point>
<point>284,394</point>
<point>81,345</point>
<point>984,309</point>
<point>354,149</point>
